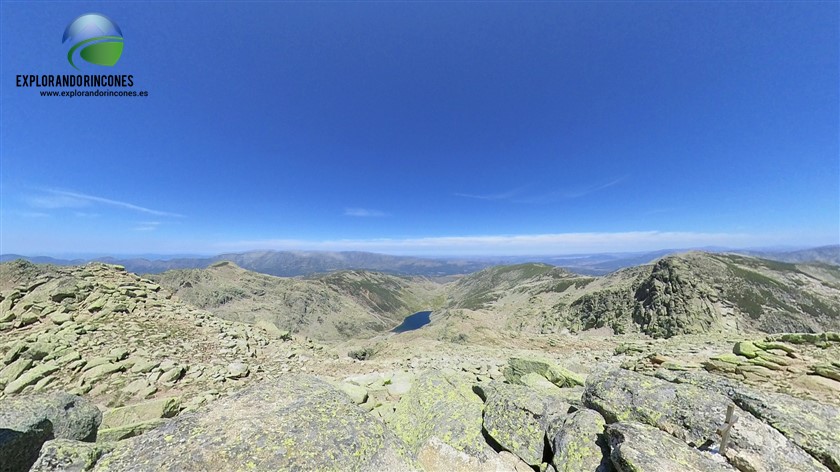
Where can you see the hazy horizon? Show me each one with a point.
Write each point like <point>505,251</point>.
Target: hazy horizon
<point>476,256</point>
<point>440,129</point>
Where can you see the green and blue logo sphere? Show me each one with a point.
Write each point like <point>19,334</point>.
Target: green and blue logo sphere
<point>97,39</point>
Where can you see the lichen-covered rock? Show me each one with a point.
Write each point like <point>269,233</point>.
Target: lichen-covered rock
<point>538,382</point>
<point>805,338</point>
<point>519,366</point>
<point>579,443</point>
<point>356,393</point>
<point>640,448</point>
<point>237,370</point>
<point>814,426</point>
<point>694,415</point>
<point>295,423</point>
<point>26,422</point>
<point>745,349</point>
<point>118,433</point>
<point>141,412</point>
<point>442,405</point>
<point>828,371</point>
<point>30,377</point>
<point>15,369</point>
<point>518,419</point>
<point>66,455</point>
<point>400,384</point>
<point>435,455</point>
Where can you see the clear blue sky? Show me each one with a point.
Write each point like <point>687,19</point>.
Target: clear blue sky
<point>427,128</point>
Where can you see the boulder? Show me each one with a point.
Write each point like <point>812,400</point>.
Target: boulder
<point>295,423</point>
<point>141,365</point>
<point>580,444</point>
<point>828,371</point>
<point>435,455</point>
<point>14,370</point>
<point>64,455</point>
<point>519,366</point>
<point>356,393</point>
<point>14,352</point>
<point>237,370</point>
<point>172,375</point>
<point>813,426</point>
<point>38,350</point>
<point>400,384</point>
<point>537,381</point>
<point>118,433</point>
<point>637,447</point>
<point>518,419</point>
<point>30,377</point>
<point>693,415</point>
<point>21,441</point>
<point>140,412</point>
<point>60,318</point>
<point>746,349</point>
<point>26,422</point>
<point>442,405</point>
<point>103,370</point>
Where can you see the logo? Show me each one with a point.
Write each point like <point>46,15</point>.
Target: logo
<point>97,39</point>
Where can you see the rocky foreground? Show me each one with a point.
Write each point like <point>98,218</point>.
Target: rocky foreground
<point>535,416</point>
<point>104,370</point>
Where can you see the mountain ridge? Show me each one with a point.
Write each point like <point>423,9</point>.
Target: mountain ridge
<point>301,263</point>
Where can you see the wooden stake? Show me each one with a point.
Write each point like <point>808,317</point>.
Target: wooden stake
<point>727,427</point>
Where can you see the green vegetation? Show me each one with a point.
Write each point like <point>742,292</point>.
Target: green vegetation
<point>362,354</point>
<point>754,277</point>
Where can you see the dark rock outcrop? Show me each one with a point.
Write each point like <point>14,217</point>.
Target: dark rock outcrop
<point>26,422</point>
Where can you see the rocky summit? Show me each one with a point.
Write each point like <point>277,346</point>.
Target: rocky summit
<point>694,362</point>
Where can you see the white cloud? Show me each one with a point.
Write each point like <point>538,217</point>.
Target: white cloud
<point>55,199</point>
<point>522,244</point>
<point>364,213</point>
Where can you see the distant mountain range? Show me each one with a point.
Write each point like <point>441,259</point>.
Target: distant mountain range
<point>688,293</point>
<point>296,263</point>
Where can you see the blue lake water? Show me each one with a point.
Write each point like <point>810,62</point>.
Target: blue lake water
<point>412,322</point>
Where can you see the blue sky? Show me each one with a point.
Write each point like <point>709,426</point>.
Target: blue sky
<point>426,128</point>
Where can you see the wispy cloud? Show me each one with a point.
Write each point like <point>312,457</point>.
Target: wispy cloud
<point>595,188</point>
<point>364,213</point>
<point>60,199</point>
<point>518,195</point>
<point>569,194</point>
<point>491,196</point>
<point>147,226</point>
<point>33,214</point>
<point>516,244</point>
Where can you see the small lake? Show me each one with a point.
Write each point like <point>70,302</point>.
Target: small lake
<point>412,322</point>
